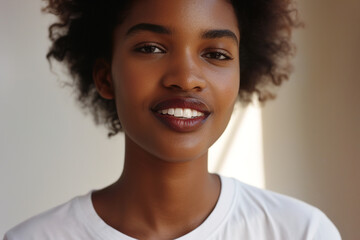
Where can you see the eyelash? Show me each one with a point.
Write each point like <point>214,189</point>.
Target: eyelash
<point>217,55</point>
<point>144,48</point>
<point>154,49</point>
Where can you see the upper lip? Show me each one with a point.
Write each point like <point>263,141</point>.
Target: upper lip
<point>182,102</point>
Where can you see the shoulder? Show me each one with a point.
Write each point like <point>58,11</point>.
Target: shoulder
<point>281,216</point>
<point>271,202</point>
<point>55,223</point>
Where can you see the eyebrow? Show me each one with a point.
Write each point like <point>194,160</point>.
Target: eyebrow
<point>148,27</point>
<point>155,28</point>
<point>220,33</point>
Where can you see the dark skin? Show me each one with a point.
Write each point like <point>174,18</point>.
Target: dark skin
<point>165,190</point>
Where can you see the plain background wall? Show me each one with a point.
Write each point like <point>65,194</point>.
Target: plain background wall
<point>50,151</point>
<point>311,132</point>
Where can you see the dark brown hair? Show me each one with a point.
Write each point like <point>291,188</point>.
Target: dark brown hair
<point>83,33</point>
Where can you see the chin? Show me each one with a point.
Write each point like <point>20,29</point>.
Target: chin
<point>180,152</point>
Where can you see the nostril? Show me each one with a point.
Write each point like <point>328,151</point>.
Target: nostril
<point>175,86</point>
<point>178,87</point>
<point>198,88</point>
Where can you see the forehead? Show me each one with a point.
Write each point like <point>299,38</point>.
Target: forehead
<point>183,15</point>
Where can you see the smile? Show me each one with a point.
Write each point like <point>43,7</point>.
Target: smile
<point>181,114</point>
<point>186,113</point>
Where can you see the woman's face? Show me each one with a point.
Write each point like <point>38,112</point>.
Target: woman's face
<point>175,71</point>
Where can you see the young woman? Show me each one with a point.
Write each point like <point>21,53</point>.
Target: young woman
<point>167,74</point>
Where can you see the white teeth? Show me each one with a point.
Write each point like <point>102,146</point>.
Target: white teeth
<point>179,112</point>
<point>194,113</point>
<point>171,111</point>
<point>187,113</point>
<point>182,112</point>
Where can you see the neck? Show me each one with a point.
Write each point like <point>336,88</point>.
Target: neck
<point>163,196</point>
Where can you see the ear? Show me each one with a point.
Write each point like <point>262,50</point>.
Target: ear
<point>102,78</point>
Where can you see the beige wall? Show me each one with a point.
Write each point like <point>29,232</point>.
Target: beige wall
<point>49,151</point>
<point>312,132</point>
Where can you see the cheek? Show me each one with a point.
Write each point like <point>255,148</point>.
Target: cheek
<point>129,87</point>
<point>227,95</point>
<point>135,83</point>
<point>225,86</point>
<point>129,82</point>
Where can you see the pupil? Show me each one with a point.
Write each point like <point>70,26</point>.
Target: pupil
<point>216,55</point>
<point>148,49</point>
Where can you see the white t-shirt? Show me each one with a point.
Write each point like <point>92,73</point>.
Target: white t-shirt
<point>242,212</point>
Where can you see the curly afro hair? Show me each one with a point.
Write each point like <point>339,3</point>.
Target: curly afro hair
<point>78,41</point>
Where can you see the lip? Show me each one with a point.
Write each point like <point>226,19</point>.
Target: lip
<point>181,124</point>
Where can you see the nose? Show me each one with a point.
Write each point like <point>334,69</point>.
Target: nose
<point>184,73</point>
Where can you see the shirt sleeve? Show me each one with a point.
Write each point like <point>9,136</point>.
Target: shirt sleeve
<point>326,229</point>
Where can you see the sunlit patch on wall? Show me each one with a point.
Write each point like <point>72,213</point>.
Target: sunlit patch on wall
<point>239,151</point>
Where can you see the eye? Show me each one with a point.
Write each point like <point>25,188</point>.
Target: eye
<point>149,49</point>
<point>217,55</point>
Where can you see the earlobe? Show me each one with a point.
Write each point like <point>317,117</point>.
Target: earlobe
<point>102,79</point>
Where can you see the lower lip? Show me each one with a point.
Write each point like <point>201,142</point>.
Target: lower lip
<point>181,124</point>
